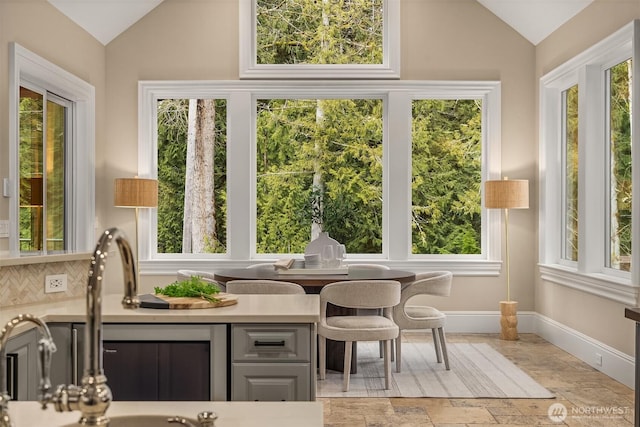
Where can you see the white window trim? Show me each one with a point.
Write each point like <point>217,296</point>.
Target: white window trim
<point>250,69</point>
<point>26,65</point>
<point>589,273</point>
<point>241,167</point>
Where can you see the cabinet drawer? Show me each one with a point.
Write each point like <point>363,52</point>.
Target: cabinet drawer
<point>270,381</point>
<point>271,343</point>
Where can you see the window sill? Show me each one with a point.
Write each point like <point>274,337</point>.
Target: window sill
<point>465,267</point>
<point>609,287</point>
<point>42,259</point>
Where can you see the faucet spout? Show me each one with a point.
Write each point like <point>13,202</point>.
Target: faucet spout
<point>93,332</point>
<point>46,347</point>
<point>93,397</point>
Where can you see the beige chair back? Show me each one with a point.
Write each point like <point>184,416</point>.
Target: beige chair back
<point>360,294</point>
<point>263,287</point>
<point>437,283</point>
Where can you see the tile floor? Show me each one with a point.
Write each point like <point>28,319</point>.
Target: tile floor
<point>585,392</point>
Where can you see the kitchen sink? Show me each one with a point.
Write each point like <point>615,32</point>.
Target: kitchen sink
<point>148,421</point>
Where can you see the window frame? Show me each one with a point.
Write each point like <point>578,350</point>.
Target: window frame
<point>250,69</point>
<point>241,97</point>
<point>589,273</point>
<point>28,69</point>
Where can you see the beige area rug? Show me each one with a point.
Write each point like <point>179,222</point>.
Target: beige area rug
<point>477,371</point>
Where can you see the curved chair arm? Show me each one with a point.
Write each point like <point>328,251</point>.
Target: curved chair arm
<point>436,283</point>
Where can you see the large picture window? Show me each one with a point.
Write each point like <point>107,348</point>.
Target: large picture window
<point>291,159</point>
<point>319,168</point>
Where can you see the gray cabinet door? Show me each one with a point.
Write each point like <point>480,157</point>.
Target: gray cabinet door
<point>270,381</point>
<point>22,366</point>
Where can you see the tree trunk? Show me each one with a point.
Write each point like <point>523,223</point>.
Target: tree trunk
<point>188,179</point>
<point>317,186</point>
<point>199,183</point>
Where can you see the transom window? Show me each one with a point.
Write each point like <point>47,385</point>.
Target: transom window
<point>319,39</point>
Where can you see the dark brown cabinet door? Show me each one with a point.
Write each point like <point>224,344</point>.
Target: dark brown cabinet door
<point>149,370</point>
<point>184,371</point>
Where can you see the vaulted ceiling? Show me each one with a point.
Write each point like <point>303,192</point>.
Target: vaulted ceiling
<point>533,19</point>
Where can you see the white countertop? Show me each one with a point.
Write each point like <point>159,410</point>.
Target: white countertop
<point>249,309</point>
<point>230,414</point>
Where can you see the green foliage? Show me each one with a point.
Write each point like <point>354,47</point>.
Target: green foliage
<point>319,31</point>
<point>620,142</point>
<point>446,176</point>
<point>319,161</point>
<point>193,287</point>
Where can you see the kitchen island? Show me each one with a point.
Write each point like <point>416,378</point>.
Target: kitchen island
<point>262,348</point>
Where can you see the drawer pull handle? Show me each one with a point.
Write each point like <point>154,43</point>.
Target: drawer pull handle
<point>257,343</point>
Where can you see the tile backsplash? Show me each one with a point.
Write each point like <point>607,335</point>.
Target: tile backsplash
<point>24,284</point>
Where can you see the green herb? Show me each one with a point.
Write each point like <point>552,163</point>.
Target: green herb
<point>194,287</point>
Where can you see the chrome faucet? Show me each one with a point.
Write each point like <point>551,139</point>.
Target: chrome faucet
<point>46,347</point>
<point>93,396</point>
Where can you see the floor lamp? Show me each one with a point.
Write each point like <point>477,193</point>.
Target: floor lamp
<point>136,193</point>
<point>507,194</point>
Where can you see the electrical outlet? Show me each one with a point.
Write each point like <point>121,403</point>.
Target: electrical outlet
<point>598,359</point>
<point>55,283</point>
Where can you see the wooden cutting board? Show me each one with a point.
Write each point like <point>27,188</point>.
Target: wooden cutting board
<point>183,303</point>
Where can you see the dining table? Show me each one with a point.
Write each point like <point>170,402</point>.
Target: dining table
<point>313,282</point>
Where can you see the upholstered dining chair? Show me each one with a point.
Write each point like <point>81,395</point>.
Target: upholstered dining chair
<point>263,287</point>
<point>423,317</point>
<point>204,275</point>
<point>365,294</point>
<point>373,267</point>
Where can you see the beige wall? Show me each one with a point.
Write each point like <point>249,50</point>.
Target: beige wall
<point>446,40</point>
<point>596,317</point>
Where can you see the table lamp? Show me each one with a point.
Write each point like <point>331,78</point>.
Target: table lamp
<point>507,194</point>
<point>135,193</point>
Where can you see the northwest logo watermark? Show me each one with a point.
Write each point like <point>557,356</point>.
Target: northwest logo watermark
<point>558,412</point>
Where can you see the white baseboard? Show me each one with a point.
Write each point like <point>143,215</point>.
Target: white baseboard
<point>616,364</point>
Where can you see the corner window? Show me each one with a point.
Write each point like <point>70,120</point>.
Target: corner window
<point>319,39</point>
<point>51,146</point>
<point>586,170</point>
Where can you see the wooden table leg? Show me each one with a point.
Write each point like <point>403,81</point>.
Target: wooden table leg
<point>335,349</point>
